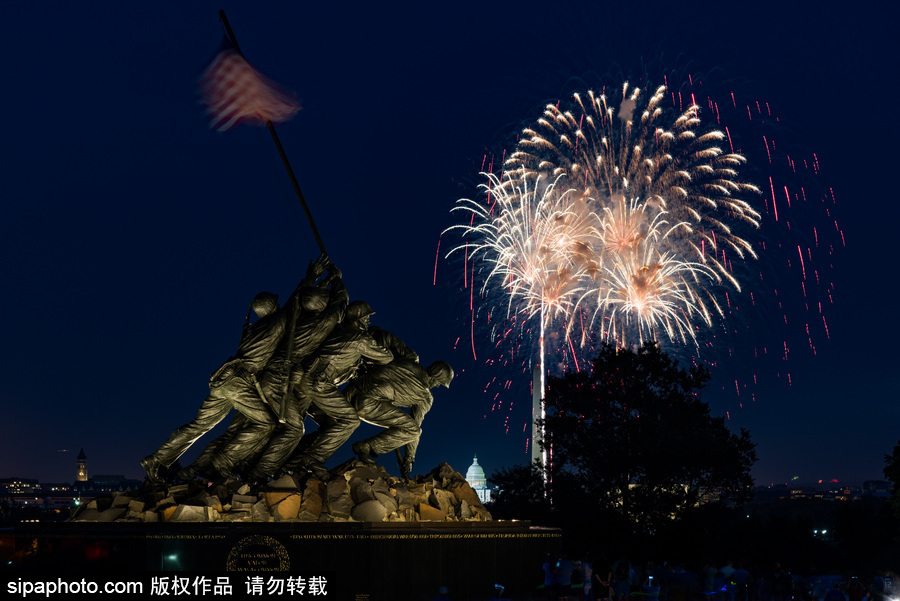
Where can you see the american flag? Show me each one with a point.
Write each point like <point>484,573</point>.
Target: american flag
<point>234,91</point>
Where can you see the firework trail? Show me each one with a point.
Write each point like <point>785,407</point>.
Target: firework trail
<point>784,315</point>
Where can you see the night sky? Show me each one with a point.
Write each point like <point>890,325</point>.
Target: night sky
<point>133,236</point>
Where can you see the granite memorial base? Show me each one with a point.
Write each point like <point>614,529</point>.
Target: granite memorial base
<point>348,560</point>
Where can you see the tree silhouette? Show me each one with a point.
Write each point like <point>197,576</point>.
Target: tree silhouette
<point>892,473</point>
<point>633,437</point>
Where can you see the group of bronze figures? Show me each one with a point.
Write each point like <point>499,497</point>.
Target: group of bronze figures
<point>314,356</point>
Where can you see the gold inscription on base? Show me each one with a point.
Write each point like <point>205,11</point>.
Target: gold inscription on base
<point>258,553</point>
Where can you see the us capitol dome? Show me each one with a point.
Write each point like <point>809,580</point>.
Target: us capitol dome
<point>477,480</point>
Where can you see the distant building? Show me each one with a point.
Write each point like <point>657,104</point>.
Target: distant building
<point>56,487</point>
<point>100,484</point>
<point>877,488</point>
<point>81,473</point>
<point>771,493</point>
<point>477,480</point>
<point>19,485</point>
<point>59,496</point>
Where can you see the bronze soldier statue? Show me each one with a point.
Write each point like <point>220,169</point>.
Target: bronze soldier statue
<point>378,397</point>
<point>321,310</point>
<point>285,373</point>
<point>333,365</point>
<point>393,343</point>
<point>235,386</point>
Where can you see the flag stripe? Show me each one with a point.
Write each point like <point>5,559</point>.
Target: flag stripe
<point>234,92</point>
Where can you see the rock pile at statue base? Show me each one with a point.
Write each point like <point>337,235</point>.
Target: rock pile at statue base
<point>355,493</point>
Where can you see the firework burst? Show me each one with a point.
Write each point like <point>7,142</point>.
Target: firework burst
<point>618,215</point>
<point>536,239</point>
<point>608,154</point>
<point>643,283</point>
<point>656,238</point>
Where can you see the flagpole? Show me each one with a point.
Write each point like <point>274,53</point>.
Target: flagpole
<point>284,159</point>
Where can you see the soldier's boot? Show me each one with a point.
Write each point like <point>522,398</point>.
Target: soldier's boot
<point>151,465</point>
<point>315,468</point>
<point>364,451</point>
<point>188,474</point>
<point>224,469</point>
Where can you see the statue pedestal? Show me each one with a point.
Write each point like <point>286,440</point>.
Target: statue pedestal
<point>387,561</point>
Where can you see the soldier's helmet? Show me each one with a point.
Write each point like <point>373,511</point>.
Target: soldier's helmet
<point>264,303</point>
<point>357,310</point>
<point>441,373</point>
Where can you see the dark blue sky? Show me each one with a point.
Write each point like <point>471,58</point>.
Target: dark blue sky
<point>133,236</point>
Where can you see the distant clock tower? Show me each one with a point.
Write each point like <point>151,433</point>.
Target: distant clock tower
<point>81,467</point>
